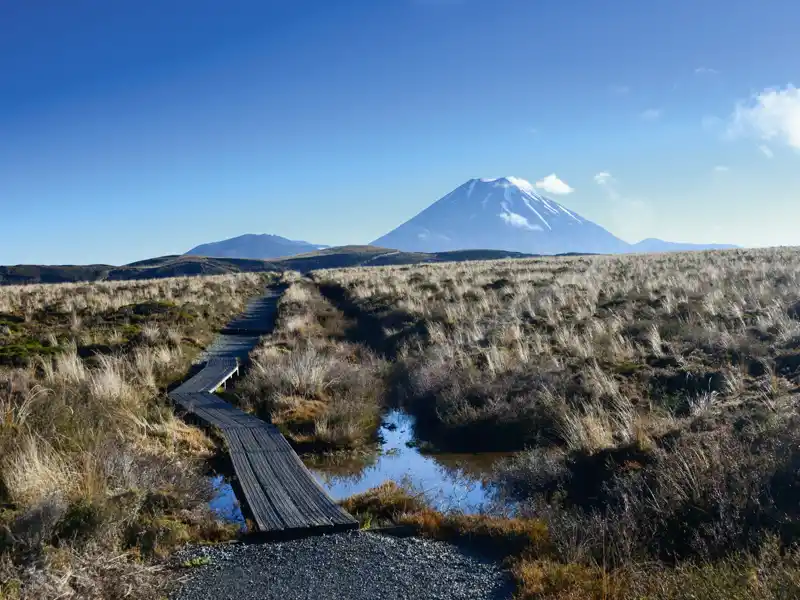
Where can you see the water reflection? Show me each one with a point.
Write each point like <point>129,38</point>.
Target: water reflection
<point>452,481</point>
<point>224,503</point>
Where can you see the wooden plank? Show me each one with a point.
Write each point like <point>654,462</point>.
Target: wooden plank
<point>264,513</point>
<point>314,491</point>
<point>279,491</point>
<point>290,478</point>
<point>271,440</point>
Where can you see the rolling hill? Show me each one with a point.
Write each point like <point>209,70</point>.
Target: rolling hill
<point>182,265</point>
<point>263,246</point>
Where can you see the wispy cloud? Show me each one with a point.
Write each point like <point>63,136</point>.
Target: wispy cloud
<point>771,115</point>
<point>603,178</point>
<point>705,71</point>
<point>721,169</point>
<point>766,151</point>
<point>553,185</point>
<point>652,114</point>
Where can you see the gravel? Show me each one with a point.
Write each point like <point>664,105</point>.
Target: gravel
<point>350,566</point>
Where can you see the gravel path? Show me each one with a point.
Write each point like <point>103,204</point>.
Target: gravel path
<point>347,566</point>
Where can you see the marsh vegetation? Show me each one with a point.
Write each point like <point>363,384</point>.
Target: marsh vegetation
<point>650,401</point>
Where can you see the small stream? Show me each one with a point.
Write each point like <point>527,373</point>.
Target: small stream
<point>450,481</point>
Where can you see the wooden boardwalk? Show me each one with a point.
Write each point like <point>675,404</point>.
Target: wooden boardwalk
<point>280,494</point>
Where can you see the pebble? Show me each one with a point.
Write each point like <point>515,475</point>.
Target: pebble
<point>344,566</point>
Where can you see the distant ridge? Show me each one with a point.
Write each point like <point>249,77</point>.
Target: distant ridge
<point>251,245</point>
<point>182,265</point>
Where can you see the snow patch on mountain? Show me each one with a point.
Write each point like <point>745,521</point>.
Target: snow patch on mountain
<point>503,213</point>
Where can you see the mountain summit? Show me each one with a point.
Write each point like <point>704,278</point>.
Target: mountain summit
<point>503,214</point>
<point>254,246</point>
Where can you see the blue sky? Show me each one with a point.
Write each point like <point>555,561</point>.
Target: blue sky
<point>135,129</point>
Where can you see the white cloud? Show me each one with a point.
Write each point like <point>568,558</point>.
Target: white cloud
<point>766,151</point>
<point>603,177</point>
<point>705,71</point>
<point>773,114</point>
<point>652,114</point>
<point>721,169</point>
<point>519,221</point>
<point>553,185</point>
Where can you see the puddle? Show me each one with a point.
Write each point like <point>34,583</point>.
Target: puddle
<point>452,481</point>
<point>224,503</point>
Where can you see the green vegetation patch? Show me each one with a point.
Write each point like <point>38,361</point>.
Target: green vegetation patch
<point>22,352</point>
<point>199,561</point>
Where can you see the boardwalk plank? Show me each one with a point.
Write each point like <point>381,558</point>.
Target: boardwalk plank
<point>279,491</point>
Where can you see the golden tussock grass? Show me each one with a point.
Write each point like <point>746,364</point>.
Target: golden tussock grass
<point>604,345</point>
<point>651,399</point>
<point>323,391</point>
<point>97,474</point>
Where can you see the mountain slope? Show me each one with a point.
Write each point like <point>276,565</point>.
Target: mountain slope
<point>656,245</point>
<point>254,246</point>
<point>501,214</point>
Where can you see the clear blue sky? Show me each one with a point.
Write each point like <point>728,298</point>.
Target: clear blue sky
<point>131,129</point>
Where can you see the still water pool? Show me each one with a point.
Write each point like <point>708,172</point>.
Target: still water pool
<point>451,481</point>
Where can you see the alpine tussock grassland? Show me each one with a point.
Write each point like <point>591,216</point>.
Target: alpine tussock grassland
<point>651,401</point>
<point>98,477</point>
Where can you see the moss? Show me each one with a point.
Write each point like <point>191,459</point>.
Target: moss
<point>11,326</point>
<point>156,536</point>
<point>81,520</point>
<point>11,590</point>
<point>22,352</point>
<point>627,368</point>
<point>131,331</point>
<point>200,561</point>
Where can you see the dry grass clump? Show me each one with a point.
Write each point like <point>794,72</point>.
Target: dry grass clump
<point>588,352</point>
<point>97,475</point>
<point>324,392</point>
<point>391,503</point>
<point>700,494</point>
